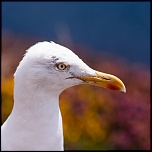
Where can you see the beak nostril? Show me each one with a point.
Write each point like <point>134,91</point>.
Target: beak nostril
<point>106,78</point>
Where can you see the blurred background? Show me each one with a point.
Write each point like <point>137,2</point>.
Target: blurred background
<point>112,37</point>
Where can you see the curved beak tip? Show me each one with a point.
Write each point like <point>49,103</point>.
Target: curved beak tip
<point>124,89</point>
<point>119,86</point>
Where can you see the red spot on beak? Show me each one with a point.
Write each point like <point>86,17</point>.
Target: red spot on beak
<point>113,87</point>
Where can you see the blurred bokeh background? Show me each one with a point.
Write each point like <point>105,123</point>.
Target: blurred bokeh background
<point>112,37</point>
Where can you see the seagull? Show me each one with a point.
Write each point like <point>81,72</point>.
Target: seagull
<point>46,70</point>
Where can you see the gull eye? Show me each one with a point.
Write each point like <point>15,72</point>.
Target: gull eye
<point>61,66</point>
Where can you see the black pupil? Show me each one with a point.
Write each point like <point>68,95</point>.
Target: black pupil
<point>62,66</point>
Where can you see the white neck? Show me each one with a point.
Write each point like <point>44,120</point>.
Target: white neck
<point>35,115</point>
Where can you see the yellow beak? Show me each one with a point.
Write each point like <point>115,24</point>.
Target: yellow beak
<point>104,80</point>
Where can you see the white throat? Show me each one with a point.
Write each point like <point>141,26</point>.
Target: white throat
<point>35,115</point>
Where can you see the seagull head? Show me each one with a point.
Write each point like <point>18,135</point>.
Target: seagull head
<point>49,67</point>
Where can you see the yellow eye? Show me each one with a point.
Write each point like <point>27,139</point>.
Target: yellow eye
<point>61,66</point>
